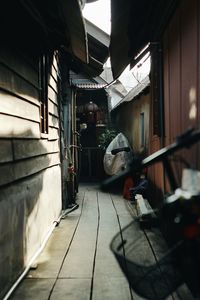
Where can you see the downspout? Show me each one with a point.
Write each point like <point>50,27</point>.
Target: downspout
<point>161,89</point>
<point>161,104</point>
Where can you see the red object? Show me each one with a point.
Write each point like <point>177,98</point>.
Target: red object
<point>191,231</point>
<point>71,170</point>
<point>128,183</point>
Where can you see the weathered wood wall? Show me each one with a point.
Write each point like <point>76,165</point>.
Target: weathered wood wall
<point>181,57</point>
<point>30,176</point>
<point>181,74</point>
<point>129,121</point>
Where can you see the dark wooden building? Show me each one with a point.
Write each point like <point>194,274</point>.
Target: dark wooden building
<point>173,40</point>
<point>34,93</point>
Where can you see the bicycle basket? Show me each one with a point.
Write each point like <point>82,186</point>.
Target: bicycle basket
<point>151,279</point>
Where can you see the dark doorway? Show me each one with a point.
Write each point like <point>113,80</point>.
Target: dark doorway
<point>92,120</point>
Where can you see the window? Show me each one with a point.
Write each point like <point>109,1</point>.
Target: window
<point>142,130</point>
<point>43,86</point>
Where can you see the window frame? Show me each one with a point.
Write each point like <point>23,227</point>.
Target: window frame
<point>43,93</point>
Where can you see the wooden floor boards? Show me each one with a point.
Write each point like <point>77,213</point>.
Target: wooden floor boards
<point>77,263</point>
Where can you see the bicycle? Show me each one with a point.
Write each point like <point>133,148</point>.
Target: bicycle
<point>180,214</point>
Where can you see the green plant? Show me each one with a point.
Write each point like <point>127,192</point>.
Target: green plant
<point>106,137</point>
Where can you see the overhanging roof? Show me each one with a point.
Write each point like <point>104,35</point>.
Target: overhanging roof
<point>135,92</point>
<point>97,33</point>
<point>90,86</point>
<point>98,48</point>
<point>84,82</point>
<point>134,24</point>
<point>75,26</point>
<point>45,24</point>
<point>98,43</point>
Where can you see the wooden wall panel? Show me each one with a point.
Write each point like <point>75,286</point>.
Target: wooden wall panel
<point>166,67</point>
<point>28,209</point>
<point>181,76</point>
<point>198,91</point>
<point>7,173</point>
<point>45,212</point>
<point>24,168</point>
<point>11,105</point>
<point>20,65</point>
<point>129,121</point>
<point>29,148</point>
<point>16,127</point>
<point>189,40</point>
<point>53,134</point>
<point>6,153</point>
<point>33,165</point>
<point>17,85</point>
<point>181,72</point>
<point>189,61</point>
<point>53,108</point>
<point>30,173</point>
<point>174,78</point>
<point>53,83</point>
<point>53,121</point>
<point>141,105</point>
<point>52,95</point>
<point>55,61</point>
<point>54,73</point>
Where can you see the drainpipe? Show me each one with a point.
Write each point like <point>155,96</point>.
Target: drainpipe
<point>161,104</point>
<point>161,88</point>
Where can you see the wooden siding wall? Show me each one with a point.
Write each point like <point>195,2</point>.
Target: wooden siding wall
<point>30,179</point>
<point>181,75</point>
<point>155,172</point>
<point>181,57</point>
<point>129,117</point>
<point>129,121</point>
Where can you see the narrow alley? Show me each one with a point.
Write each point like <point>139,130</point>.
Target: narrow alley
<point>77,262</point>
<point>91,89</point>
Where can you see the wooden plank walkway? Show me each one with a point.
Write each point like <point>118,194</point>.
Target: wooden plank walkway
<point>77,263</point>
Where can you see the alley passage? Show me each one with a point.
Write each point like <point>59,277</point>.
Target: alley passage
<point>77,263</point>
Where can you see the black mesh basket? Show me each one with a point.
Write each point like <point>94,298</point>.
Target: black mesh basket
<point>150,278</point>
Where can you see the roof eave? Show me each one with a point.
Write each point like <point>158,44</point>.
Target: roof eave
<point>134,25</point>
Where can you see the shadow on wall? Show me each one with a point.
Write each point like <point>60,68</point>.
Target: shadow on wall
<point>27,82</point>
<point>24,215</point>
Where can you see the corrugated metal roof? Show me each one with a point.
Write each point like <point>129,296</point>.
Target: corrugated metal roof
<point>136,91</point>
<point>90,86</point>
